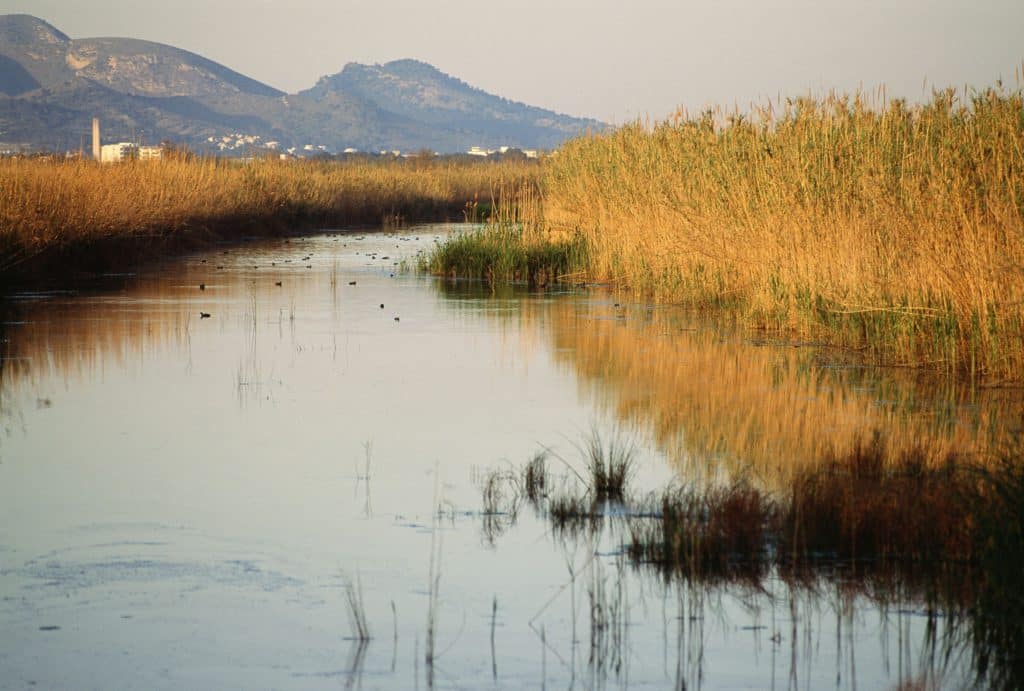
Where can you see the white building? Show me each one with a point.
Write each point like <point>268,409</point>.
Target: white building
<point>114,153</point>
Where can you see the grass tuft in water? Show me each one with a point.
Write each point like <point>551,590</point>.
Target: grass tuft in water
<point>504,254</point>
<point>718,532</point>
<point>611,465</point>
<point>502,493</point>
<point>535,479</point>
<point>881,518</point>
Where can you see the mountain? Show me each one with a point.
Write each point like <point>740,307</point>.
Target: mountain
<point>423,93</point>
<point>51,86</point>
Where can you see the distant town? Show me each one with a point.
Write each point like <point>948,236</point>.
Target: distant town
<point>243,146</point>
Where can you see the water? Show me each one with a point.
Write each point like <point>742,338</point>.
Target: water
<point>185,500</point>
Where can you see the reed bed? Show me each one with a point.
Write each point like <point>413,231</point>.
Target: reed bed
<point>890,228</point>
<point>70,209</point>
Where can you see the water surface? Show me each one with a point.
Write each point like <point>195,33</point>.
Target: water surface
<point>185,498</point>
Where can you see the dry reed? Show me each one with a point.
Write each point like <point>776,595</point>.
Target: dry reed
<point>68,208</point>
<point>896,229</point>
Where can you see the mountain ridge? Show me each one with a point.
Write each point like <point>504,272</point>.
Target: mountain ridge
<point>52,85</point>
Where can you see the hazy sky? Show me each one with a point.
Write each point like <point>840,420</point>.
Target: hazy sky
<point>613,60</point>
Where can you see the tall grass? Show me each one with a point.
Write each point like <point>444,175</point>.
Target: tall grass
<point>68,209</point>
<point>891,229</point>
<point>896,229</point>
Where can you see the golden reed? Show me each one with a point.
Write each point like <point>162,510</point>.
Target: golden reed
<point>896,229</point>
<point>48,207</point>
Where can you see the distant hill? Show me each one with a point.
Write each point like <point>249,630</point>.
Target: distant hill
<point>423,93</point>
<point>51,86</point>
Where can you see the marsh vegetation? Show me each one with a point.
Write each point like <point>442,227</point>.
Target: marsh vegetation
<point>78,215</point>
<point>281,453</point>
<point>954,535</point>
<point>891,229</point>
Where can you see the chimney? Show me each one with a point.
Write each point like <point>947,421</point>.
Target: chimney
<point>96,138</point>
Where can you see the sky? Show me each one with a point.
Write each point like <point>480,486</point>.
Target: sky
<point>612,60</point>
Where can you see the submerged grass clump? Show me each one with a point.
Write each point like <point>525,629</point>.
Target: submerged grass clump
<point>719,531</point>
<point>611,463</point>
<point>502,495</point>
<point>861,505</point>
<point>866,517</point>
<point>536,480</point>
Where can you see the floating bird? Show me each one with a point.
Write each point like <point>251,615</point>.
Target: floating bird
<point>382,305</point>
<point>397,319</point>
<point>351,283</point>
<point>277,283</point>
<point>202,286</point>
<point>204,315</point>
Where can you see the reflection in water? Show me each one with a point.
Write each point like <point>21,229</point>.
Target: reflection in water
<point>710,396</point>
<point>184,458</point>
<point>713,400</point>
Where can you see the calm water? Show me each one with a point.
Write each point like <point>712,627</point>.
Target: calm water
<point>183,499</point>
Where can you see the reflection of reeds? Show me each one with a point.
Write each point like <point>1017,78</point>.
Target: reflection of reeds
<point>952,533</point>
<point>863,505</point>
<point>608,622</point>
<point>712,398</point>
<point>997,618</point>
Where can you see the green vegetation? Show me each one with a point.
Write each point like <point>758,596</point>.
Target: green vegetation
<point>507,247</point>
<point>500,254</point>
